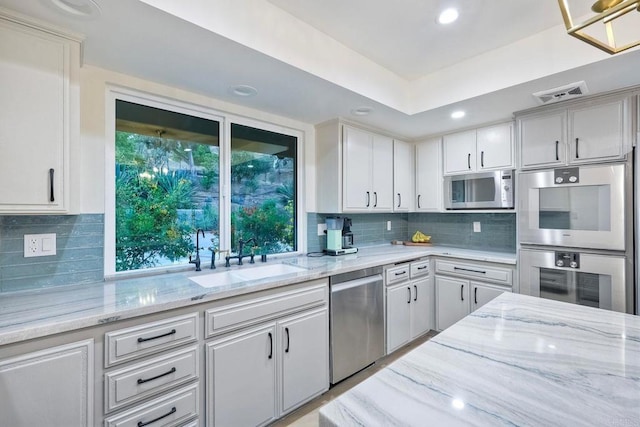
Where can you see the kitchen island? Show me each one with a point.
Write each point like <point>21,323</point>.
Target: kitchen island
<point>518,360</point>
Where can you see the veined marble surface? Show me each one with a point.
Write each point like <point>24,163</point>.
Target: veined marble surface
<point>33,314</point>
<point>517,361</point>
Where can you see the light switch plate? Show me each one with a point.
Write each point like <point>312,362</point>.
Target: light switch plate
<point>388,225</point>
<point>476,227</point>
<point>39,245</point>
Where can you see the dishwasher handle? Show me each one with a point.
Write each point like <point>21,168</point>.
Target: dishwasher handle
<point>355,283</point>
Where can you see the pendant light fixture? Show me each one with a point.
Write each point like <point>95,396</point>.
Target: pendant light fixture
<point>610,25</point>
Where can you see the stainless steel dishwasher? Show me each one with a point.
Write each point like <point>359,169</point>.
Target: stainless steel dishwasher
<point>356,321</point>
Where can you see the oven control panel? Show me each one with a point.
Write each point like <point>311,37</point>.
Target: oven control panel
<point>568,259</point>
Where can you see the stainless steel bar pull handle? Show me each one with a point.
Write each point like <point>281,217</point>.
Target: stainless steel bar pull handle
<point>52,197</point>
<point>577,142</point>
<point>172,411</point>
<point>169,372</point>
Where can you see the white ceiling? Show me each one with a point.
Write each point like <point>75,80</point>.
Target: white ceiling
<point>404,37</point>
<point>317,60</point>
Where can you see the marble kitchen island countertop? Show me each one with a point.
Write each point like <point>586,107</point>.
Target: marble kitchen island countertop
<point>517,361</point>
<point>47,311</point>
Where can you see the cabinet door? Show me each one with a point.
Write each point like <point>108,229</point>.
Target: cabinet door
<point>597,132</point>
<point>398,316</point>
<point>428,161</point>
<point>304,351</point>
<point>53,387</point>
<point>33,110</point>
<point>542,140</point>
<point>495,147</point>
<point>422,307</point>
<point>451,301</point>
<point>241,378</point>
<point>382,174</point>
<point>482,294</point>
<point>459,152</point>
<point>356,170</point>
<point>402,176</point>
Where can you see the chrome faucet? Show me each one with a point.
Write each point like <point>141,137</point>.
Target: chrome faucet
<point>196,260</point>
<point>240,255</point>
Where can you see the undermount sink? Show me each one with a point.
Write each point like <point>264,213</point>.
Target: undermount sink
<point>231,277</point>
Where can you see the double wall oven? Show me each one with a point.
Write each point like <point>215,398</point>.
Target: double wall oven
<point>575,229</point>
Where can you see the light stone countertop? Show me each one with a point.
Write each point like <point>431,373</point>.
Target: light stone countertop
<point>33,314</point>
<point>517,361</point>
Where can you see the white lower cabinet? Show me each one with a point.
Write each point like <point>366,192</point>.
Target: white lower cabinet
<point>304,355</point>
<point>410,305</point>
<point>241,378</point>
<point>259,368</point>
<point>259,374</point>
<point>451,301</point>
<point>458,293</point>
<point>52,387</point>
<point>172,409</point>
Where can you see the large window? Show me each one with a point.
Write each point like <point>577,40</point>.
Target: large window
<point>263,189</point>
<point>175,173</point>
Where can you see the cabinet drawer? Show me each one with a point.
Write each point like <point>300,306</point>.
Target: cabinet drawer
<point>143,380</point>
<point>397,274</point>
<point>170,410</point>
<point>131,343</point>
<point>476,271</point>
<point>419,268</point>
<point>233,316</point>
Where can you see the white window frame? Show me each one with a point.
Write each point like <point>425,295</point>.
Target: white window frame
<point>225,119</point>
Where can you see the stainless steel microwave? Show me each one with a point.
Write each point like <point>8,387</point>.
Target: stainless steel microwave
<point>483,190</point>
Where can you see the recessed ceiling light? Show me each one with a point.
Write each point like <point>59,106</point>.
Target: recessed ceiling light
<point>447,16</point>
<point>244,90</point>
<point>85,9</point>
<point>362,111</point>
<point>457,114</point>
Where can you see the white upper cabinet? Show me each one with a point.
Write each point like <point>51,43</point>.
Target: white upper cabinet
<point>428,163</point>
<point>476,150</point>
<point>403,176</point>
<point>542,140</point>
<point>494,147</point>
<point>597,130</point>
<point>38,118</point>
<point>354,168</point>
<point>460,152</point>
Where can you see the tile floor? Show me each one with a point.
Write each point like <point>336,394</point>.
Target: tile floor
<point>307,415</point>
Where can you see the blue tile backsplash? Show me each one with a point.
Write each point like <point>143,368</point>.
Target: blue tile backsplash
<point>450,229</point>
<point>80,241</point>
<point>79,257</point>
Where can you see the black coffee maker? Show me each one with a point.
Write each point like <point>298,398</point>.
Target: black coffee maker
<point>347,235</point>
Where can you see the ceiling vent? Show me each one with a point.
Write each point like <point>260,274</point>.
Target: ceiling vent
<point>562,93</point>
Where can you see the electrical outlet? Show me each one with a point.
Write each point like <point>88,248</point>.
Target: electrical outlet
<point>476,227</point>
<point>388,225</point>
<point>39,245</point>
<point>322,229</point>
